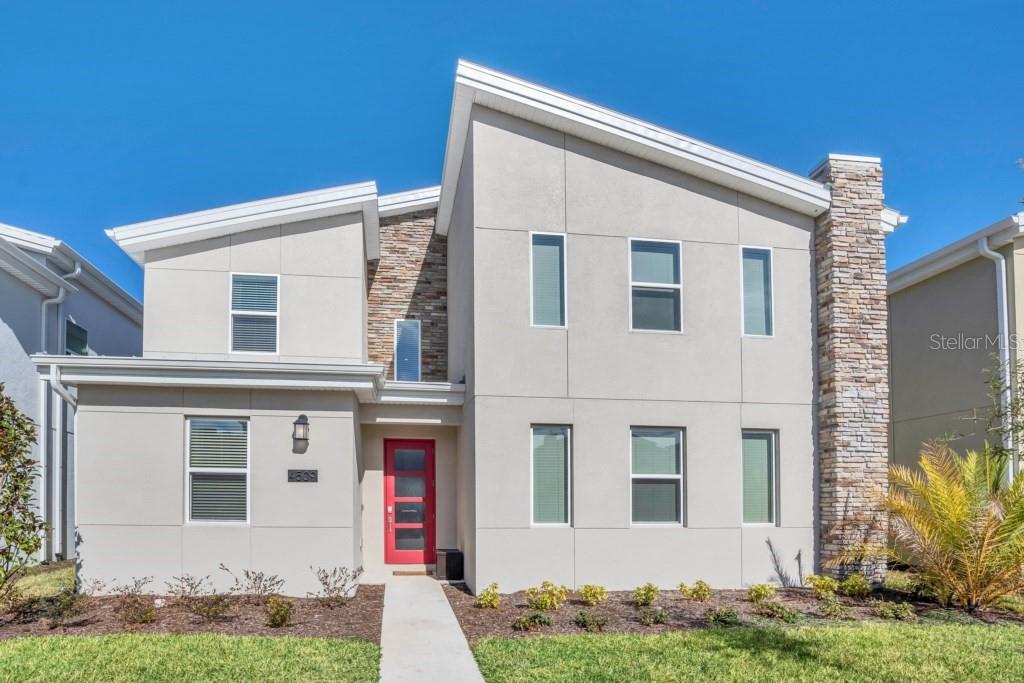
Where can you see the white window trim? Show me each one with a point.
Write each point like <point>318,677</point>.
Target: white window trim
<point>773,461</point>
<point>565,280</point>
<point>681,478</point>
<point>232,313</point>
<point>218,470</point>
<point>568,483</point>
<point>771,285</point>
<point>653,285</point>
<point>419,349</point>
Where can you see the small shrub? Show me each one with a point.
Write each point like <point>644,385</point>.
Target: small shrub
<point>898,611</point>
<point>22,607</point>
<point>699,592</point>
<point>211,607</point>
<point>256,586</point>
<point>645,595</point>
<point>590,623</point>
<point>649,616</point>
<point>547,597</point>
<point>776,610</point>
<point>593,594</point>
<point>65,607</point>
<point>722,616</point>
<point>133,605</point>
<point>279,611</point>
<point>823,585</point>
<point>855,586</point>
<point>833,609</point>
<point>761,593</point>
<point>336,585</point>
<point>186,588</point>
<point>489,597</point>
<point>533,622</point>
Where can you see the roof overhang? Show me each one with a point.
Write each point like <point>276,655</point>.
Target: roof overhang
<point>477,85</point>
<point>365,380</point>
<point>998,235</point>
<point>138,238</point>
<point>407,202</point>
<point>31,272</point>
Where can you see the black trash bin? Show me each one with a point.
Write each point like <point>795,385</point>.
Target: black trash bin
<point>448,566</point>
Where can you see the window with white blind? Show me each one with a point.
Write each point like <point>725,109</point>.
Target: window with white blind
<point>757,291</point>
<point>407,350</point>
<point>547,279</point>
<point>551,463</point>
<point>254,313</point>
<point>217,462</point>
<point>656,470</point>
<point>759,477</point>
<point>656,289</point>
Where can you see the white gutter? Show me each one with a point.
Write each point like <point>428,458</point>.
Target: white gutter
<point>1003,314</point>
<point>59,299</point>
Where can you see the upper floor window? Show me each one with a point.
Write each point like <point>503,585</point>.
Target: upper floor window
<point>76,339</point>
<point>218,470</point>
<point>656,467</point>
<point>656,302</point>
<point>759,477</point>
<point>757,291</point>
<point>547,273</point>
<point>407,350</point>
<point>254,313</point>
<point>552,468</point>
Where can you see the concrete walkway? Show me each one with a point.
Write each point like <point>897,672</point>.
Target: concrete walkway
<point>421,641</point>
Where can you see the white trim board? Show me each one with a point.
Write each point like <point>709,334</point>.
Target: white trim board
<point>409,201</point>
<point>23,267</point>
<point>479,85</point>
<point>138,238</point>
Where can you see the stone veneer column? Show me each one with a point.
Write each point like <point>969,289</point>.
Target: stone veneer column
<point>853,358</point>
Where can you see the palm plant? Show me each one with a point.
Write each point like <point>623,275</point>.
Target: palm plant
<point>957,523</point>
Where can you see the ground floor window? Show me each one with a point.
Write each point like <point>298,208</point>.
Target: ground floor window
<point>552,469</point>
<point>758,477</point>
<point>656,467</point>
<point>218,470</point>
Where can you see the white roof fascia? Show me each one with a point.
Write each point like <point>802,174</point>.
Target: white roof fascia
<point>30,271</point>
<point>408,202</point>
<point>999,234</point>
<point>138,238</point>
<point>420,393</point>
<point>27,239</point>
<point>478,85</point>
<point>892,219</point>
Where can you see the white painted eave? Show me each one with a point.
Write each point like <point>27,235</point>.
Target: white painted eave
<point>138,238</point>
<point>999,234</point>
<point>407,202</point>
<point>31,272</point>
<point>477,85</point>
<point>892,219</point>
<point>420,393</point>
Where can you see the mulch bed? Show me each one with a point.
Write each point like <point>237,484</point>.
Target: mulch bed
<point>358,617</point>
<point>684,614</point>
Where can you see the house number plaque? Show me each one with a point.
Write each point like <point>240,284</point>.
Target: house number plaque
<point>303,475</point>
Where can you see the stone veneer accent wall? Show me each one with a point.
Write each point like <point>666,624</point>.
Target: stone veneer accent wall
<point>410,280</point>
<point>853,380</point>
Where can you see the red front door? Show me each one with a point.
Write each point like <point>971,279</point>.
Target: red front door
<point>408,501</point>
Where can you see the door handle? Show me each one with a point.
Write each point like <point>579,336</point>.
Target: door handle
<point>389,523</point>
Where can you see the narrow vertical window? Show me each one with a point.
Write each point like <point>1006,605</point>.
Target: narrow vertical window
<point>254,313</point>
<point>407,350</point>
<point>547,267</point>
<point>76,339</point>
<point>551,475</point>
<point>218,470</point>
<point>757,291</point>
<point>657,475</point>
<point>655,286</point>
<point>758,477</point>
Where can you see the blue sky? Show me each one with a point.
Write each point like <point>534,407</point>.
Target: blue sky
<point>117,112</point>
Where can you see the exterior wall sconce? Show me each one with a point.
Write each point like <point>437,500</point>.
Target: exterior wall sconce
<point>300,434</point>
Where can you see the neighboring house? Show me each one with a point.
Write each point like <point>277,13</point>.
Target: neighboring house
<point>54,301</point>
<point>956,314</point>
<point>600,352</point>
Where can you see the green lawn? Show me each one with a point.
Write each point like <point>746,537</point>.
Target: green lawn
<point>869,653</point>
<point>155,658</point>
<point>44,582</point>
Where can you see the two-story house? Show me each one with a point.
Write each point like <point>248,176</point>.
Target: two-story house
<point>54,301</point>
<point>600,351</point>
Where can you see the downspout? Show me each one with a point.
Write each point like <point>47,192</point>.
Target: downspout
<point>60,440</point>
<point>1003,315</point>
